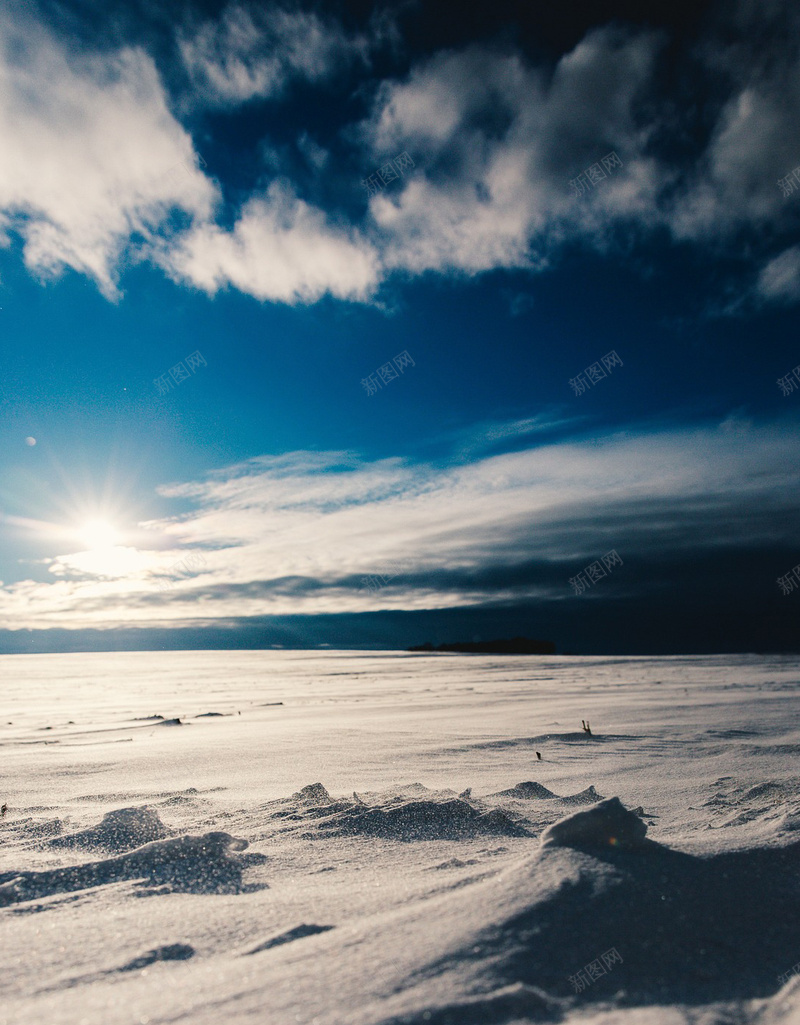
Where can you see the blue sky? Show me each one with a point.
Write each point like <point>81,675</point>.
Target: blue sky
<point>185,193</point>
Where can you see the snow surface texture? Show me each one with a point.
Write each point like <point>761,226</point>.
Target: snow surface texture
<point>371,839</point>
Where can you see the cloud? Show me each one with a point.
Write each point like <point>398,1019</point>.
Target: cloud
<point>95,164</point>
<point>734,185</point>
<point>727,200</point>
<point>779,280</point>
<point>494,435</point>
<point>297,534</point>
<point>90,156</point>
<point>251,52</point>
<point>314,153</point>
<point>281,249</point>
<point>496,140</point>
<point>499,142</point>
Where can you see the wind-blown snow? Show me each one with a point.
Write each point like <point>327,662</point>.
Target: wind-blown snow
<point>370,839</point>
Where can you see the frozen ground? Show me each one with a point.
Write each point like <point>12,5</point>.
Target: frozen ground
<point>370,839</point>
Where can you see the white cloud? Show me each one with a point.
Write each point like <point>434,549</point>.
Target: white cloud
<point>498,143</point>
<point>752,75</point>
<point>779,280</point>
<point>499,196</point>
<point>280,249</point>
<point>497,140</point>
<point>90,153</point>
<point>295,534</point>
<point>252,52</point>
<point>88,166</point>
<point>735,183</point>
<point>316,156</point>
<point>482,437</point>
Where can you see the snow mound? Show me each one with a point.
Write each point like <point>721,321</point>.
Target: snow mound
<point>509,1004</point>
<point>193,864</point>
<point>312,802</point>
<point>607,825</point>
<point>424,820</point>
<point>298,933</point>
<point>587,796</point>
<point>731,734</point>
<point>530,791</point>
<point>314,793</point>
<point>177,800</point>
<point>577,737</point>
<point>674,928</point>
<point>32,829</point>
<point>770,802</point>
<point>169,952</point>
<point>118,830</point>
<point>455,863</point>
<point>400,812</point>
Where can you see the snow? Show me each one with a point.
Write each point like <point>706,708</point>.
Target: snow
<point>607,825</point>
<point>349,838</point>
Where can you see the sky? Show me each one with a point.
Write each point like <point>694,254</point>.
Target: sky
<point>363,325</point>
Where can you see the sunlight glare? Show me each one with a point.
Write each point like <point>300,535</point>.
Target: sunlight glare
<point>98,535</point>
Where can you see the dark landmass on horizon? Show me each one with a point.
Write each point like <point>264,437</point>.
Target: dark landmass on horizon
<point>514,646</point>
<point>712,617</point>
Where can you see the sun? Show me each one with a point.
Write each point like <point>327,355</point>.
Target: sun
<point>98,535</point>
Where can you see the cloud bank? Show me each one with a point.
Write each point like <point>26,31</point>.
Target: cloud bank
<point>299,533</point>
<point>92,159</point>
<point>255,52</point>
<point>88,179</point>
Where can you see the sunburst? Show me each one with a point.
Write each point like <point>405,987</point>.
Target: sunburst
<point>98,535</point>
